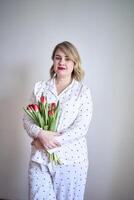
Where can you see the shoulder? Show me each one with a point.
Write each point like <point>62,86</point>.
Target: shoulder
<point>84,88</point>
<point>40,85</point>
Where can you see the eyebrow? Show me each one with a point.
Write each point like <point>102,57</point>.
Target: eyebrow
<point>60,56</point>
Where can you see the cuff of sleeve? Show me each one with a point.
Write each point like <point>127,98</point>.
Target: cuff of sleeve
<point>35,130</point>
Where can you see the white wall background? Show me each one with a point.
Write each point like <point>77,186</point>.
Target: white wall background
<point>103,33</point>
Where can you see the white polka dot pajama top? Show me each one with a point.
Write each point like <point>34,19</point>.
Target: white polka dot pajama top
<point>66,181</point>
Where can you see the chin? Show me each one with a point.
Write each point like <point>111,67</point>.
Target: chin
<point>61,74</point>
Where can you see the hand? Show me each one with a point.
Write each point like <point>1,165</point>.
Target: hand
<point>37,144</point>
<point>47,139</point>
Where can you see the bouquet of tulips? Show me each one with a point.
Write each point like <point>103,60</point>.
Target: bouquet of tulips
<point>46,116</point>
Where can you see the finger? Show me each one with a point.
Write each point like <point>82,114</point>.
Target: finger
<point>57,134</point>
<point>51,146</point>
<point>54,145</point>
<point>57,143</point>
<point>47,147</point>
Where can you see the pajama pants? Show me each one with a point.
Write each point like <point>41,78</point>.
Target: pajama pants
<point>61,182</point>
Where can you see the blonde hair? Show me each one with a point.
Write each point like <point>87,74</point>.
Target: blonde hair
<point>71,51</point>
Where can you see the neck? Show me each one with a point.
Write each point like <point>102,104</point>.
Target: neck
<point>63,80</point>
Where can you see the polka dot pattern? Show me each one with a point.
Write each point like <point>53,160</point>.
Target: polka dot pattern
<point>66,182</point>
<point>76,112</point>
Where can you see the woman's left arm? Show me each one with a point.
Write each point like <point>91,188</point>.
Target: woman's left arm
<point>80,126</point>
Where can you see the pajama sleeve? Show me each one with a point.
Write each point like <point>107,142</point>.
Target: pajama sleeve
<point>31,128</point>
<point>80,126</point>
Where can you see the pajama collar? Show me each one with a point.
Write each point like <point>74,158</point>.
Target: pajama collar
<point>52,86</point>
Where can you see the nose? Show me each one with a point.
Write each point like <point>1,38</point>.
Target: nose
<point>62,61</point>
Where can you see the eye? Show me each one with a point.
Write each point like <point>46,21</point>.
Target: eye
<point>67,58</point>
<point>57,58</point>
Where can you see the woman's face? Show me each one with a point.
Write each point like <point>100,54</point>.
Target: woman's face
<point>63,66</point>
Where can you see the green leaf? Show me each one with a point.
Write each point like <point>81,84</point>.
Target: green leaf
<point>46,113</point>
<point>46,122</point>
<point>31,115</point>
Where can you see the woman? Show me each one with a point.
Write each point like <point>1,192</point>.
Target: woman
<point>66,181</point>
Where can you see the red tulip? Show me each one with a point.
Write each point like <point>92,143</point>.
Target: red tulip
<point>46,117</point>
<point>30,107</point>
<point>35,107</point>
<point>50,113</point>
<point>43,99</point>
<point>53,106</point>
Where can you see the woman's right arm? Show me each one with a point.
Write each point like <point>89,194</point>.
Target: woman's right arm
<point>31,128</point>
<point>46,138</point>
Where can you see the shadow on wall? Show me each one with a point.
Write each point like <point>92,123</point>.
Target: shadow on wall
<point>4,199</point>
<point>15,82</point>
